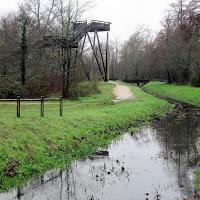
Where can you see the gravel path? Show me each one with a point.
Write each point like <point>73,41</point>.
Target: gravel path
<point>122,93</point>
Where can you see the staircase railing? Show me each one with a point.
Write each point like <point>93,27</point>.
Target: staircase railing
<point>78,34</point>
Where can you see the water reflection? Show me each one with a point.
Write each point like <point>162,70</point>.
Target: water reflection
<point>156,163</point>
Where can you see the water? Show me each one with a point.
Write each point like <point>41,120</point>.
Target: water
<point>158,162</point>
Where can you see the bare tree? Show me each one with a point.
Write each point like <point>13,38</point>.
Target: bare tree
<point>134,55</point>
<point>67,12</point>
<point>23,18</point>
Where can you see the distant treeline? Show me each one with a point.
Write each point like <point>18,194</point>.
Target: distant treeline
<point>172,55</point>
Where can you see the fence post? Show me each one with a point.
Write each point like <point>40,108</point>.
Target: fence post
<point>61,106</point>
<point>42,106</point>
<point>18,106</point>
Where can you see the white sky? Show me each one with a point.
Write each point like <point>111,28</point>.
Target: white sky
<point>125,15</point>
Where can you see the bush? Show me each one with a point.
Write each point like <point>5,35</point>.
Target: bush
<point>43,85</point>
<point>88,88</point>
<point>195,79</point>
<point>83,89</point>
<point>12,90</point>
<point>33,87</point>
<point>74,92</point>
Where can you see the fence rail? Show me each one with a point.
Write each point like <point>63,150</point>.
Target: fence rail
<point>42,100</point>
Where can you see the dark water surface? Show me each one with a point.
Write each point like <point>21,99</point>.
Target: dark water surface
<point>158,162</point>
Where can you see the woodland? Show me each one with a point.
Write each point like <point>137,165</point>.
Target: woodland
<point>27,69</point>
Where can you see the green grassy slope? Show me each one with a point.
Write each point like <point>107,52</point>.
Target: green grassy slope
<point>30,145</point>
<point>186,94</point>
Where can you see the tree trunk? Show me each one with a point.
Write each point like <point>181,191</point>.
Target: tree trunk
<point>24,48</point>
<point>69,54</point>
<point>63,73</point>
<point>169,80</point>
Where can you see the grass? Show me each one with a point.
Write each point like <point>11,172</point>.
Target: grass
<point>31,145</point>
<point>197,180</point>
<point>185,94</point>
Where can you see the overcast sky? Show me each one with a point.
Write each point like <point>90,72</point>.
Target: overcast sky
<point>125,15</point>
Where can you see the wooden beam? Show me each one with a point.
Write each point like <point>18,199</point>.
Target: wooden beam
<point>96,57</point>
<point>107,49</point>
<point>100,50</point>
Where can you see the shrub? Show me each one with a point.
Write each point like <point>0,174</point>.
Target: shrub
<point>43,85</point>
<point>74,92</point>
<point>195,79</point>
<point>12,90</point>
<point>88,88</point>
<point>33,87</point>
<point>83,89</point>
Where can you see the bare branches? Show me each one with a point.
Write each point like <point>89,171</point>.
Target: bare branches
<point>43,12</point>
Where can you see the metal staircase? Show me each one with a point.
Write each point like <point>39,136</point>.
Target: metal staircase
<point>80,29</point>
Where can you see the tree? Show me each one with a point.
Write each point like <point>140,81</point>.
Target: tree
<point>67,12</point>
<point>135,55</point>
<point>24,45</point>
<point>114,59</point>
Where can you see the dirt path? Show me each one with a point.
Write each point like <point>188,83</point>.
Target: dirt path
<point>122,93</point>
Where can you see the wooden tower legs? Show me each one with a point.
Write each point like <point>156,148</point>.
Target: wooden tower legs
<point>101,59</point>
<point>103,62</point>
<point>107,55</point>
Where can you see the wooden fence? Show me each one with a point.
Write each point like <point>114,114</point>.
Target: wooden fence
<point>41,100</point>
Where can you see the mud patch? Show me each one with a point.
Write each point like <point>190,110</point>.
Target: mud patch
<point>122,93</point>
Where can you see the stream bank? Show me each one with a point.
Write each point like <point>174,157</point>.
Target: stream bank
<point>157,162</point>
<point>32,145</point>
